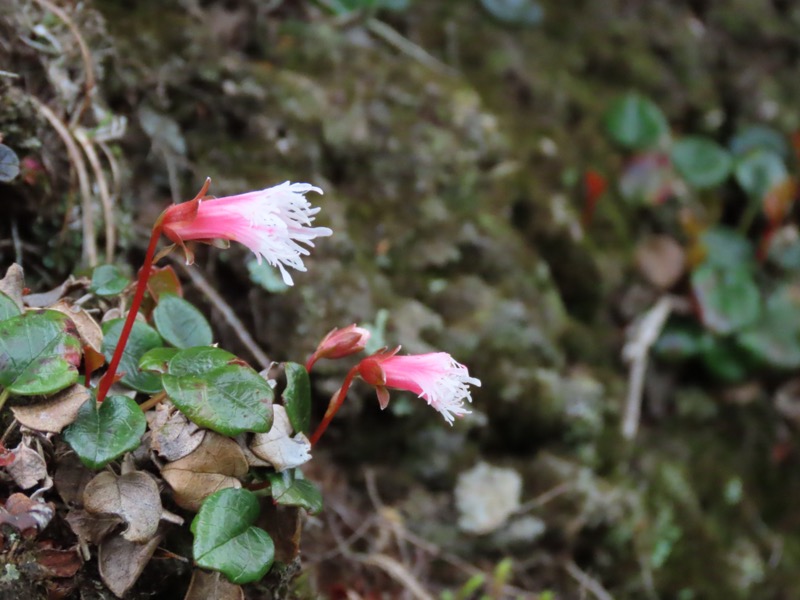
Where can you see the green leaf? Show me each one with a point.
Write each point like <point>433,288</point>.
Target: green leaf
<point>225,539</point>
<point>142,338</point>
<point>774,340</point>
<point>728,297</point>
<point>725,360</point>
<point>264,275</point>
<point>9,164</point>
<point>679,342</point>
<point>228,397</point>
<point>157,359</point>
<point>297,397</point>
<point>701,162</point>
<point>108,280</point>
<point>8,308</point>
<point>758,137</point>
<point>290,490</point>
<point>103,432</point>
<point>725,247</point>
<point>760,171</point>
<point>180,323</point>
<point>39,353</point>
<point>636,123</point>
<point>515,12</point>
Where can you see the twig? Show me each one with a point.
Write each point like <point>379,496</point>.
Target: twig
<point>102,186</point>
<point>226,311</point>
<point>641,336</point>
<point>17,242</point>
<point>89,81</point>
<point>89,242</point>
<point>396,571</point>
<point>587,581</point>
<point>407,47</point>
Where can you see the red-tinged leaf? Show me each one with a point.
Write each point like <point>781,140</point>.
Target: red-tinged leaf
<point>92,361</point>
<point>6,456</point>
<point>164,281</point>
<point>779,199</point>
<point>594,186</point>
<point>59,563</point>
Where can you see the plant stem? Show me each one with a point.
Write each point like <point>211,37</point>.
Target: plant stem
<point>141,285</point>
<point>3,397</point>
<point>335,404</point>
<point>153,401</point>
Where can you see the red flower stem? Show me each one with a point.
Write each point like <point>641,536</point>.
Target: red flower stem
<point>335,404</point>
<point>141,286</point>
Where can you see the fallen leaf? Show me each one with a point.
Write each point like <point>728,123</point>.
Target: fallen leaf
<point>58,563</point>
<point>25,514</point>
<point>121,561</point>
<point>55,413</point>
<point>277,447</point>
<point>173,436</point>
<point>28,467</point>
<point>215,464</point>
<point>661,260</point>
<point>50,297</point>
<point>212,585</point>
<point>71,477</point>
<point>91,527</point>
<point>13,283</point>
<point>88,329</point>
<point>133,497</point>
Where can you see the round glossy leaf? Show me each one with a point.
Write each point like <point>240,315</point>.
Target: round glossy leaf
<point>774,340</point>
<point>228,397</point>
<point>39,353</point>
<point>758,137</point>
<point>728,297</point>
<point>760,171</point>
<point>9,164</point>
<point>225,539</point>
<point>142,338</point>
<point>515,12</point>
<point>636,123</point>
<point>8,308</point>
<point>103,432</point>
<point>679,342</point>
<point>157,359</point>
<point>290,490</point>
<point>180,323</point>
<point>724,360</point>
<point>725,247</point>
<point>108,280</point>
<point>701,162</point>
<point>297,397</point>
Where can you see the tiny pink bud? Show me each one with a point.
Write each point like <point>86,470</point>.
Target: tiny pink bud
<point>343,342</point>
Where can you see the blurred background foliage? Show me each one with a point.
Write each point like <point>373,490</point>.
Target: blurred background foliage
<point>515,182</point>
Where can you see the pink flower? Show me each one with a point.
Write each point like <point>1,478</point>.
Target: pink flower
<point>436,377</point>
<point>273,223</point>
<point>340,343</point>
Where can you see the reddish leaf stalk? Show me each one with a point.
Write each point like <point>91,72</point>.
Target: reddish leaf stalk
<point>334,406</point>
<point>141,286</point>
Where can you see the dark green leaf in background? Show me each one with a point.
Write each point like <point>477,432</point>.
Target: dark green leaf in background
<point>729,299</point>
<point>143,338</point>
<point>636,123</point>
<point>103,432</point>
<point>180,323</point>
<point>225,539</point>
<point>760,171</point>
<point>515,12</point>
<point>701,162</point>
<point>39,353</point>
<point>108,280</point>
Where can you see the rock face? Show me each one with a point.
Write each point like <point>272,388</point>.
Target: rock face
<point>486,497</point>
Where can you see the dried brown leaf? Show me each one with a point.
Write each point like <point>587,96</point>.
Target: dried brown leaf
<point>25,514</point>
<point>55,413</point>
<point>133,497</point>
<point>216,464</point>
<point>121,561</point>
<point>28,467</point>
<point>173,436</point>
<point>46,299</point>
<point>88,329</point>
<point>13,284</point>
<point>58,563</point>
<point>71,478</point>
<point>661,260</point>
<point>212,585</point>
<point>278,447</point>
<point>91,527</point>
